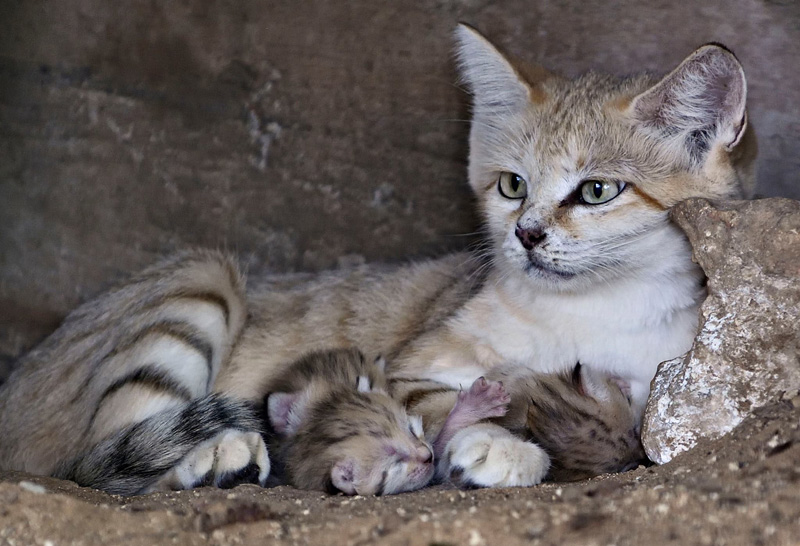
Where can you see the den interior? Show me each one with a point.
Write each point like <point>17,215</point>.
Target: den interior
<point>312,135</point>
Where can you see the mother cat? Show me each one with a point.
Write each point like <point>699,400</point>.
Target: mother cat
<point>574,179</point>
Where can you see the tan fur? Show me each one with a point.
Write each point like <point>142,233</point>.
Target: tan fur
<point>344,427</point>
<point>583,420</point>
<point>47,405</point>
<point>587,425</point>
<point>612,284</point>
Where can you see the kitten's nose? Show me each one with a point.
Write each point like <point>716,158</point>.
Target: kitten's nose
<point>530,237</point>
<point>425,454</point>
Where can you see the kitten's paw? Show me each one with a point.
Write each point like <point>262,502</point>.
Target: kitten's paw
<point>486,398</point>
<point>486,455</point>
<point>231,458</point>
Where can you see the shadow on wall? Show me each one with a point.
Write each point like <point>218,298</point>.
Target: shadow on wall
<point>301,137</point>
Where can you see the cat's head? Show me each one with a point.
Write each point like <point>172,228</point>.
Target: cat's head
<point>355,440</point>
<point>575,177</point>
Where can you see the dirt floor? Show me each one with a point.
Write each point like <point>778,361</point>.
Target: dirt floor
<point>742,489</point>
<point>306,139</point>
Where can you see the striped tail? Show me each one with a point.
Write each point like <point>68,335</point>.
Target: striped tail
<point>153,345</point>
<point>171,328</point>
<point>163,451</point>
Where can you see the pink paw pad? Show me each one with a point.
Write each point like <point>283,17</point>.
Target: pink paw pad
<point>486,398</point>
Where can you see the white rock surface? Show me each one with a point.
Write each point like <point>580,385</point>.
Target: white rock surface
<point>746,354</point>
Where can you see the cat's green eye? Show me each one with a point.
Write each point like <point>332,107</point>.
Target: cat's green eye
<point>512,186</point>
<point>597,192</point>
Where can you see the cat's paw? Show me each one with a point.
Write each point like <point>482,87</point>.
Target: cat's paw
<point>230,458</point>
<point>485,399</point>
<point>486,455</point>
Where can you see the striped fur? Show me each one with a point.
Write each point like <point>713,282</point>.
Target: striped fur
<point>559,281</point>
<point>152,345</point>
<point>133,459</point>
<point>337,430</point>
<point>583,419</point>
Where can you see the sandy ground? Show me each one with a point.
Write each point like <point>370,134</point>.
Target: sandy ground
<point>742,489</point>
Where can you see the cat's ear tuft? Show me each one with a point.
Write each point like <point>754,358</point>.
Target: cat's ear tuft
<point>286,411</point>
<point>495,85</point>
<point>415,424</point>
<point>702,102</point>
<point>343,476</point>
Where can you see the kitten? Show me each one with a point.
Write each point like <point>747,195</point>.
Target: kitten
<point>574,179</point>
<point>582,419</point>
<point>336,429</point>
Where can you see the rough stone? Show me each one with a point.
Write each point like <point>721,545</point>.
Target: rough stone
<point>747,353</point>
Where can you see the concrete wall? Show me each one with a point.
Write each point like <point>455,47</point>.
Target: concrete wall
<point>300,134</point>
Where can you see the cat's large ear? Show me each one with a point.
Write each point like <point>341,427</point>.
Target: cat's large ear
<point>701,103</point>
<point>495,84</point>
<point>286,411</point>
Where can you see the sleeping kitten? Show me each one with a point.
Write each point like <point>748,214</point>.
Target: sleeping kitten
<point>335,428</point>
<point>574,180</point>
<point>583,420</point>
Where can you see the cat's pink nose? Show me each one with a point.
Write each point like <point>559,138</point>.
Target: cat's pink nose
<point>530,237</point>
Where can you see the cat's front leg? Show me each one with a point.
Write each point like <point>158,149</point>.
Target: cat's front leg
<point>487,455</point>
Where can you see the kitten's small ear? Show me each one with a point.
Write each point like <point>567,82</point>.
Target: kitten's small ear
<point>286,411</point>
<point>701,102</point>
<point>497,87</point>
<point>343,476</point>
<point>623,384</point>
<point>378,382</point>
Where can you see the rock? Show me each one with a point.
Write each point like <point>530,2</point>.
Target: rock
<point>746,354</point>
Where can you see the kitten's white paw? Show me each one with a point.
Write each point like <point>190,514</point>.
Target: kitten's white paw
<point>230,458</point>
<point>486,455</point>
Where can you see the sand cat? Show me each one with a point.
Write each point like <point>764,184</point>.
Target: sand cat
<point>574,180</point>
<point>582,419</point>
<point>335,428</point>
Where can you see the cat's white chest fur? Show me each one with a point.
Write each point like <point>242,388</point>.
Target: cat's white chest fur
<point>625,328</point>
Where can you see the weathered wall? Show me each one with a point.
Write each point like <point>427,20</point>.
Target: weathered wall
<point>294,132</point>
